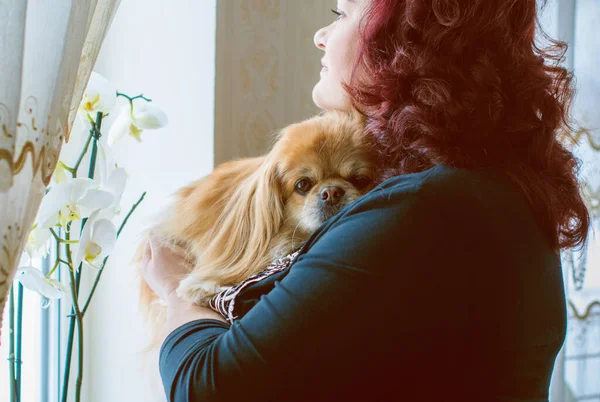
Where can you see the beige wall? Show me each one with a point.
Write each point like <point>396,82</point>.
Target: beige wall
<point>266,67</point>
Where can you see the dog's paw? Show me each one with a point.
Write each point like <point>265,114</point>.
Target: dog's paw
<point>198,291</point>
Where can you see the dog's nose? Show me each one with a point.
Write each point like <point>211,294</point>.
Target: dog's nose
<point>332,195</point>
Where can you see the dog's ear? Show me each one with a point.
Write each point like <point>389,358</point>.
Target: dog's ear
<point>241,239</point>
<point>268,203</point>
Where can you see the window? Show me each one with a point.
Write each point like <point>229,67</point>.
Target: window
<point>582,349</point>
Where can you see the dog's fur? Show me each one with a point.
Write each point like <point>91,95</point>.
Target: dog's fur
<point>234,222</point>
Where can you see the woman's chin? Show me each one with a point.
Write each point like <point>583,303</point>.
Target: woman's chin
<point>317,97</point>
<point>325,98</point>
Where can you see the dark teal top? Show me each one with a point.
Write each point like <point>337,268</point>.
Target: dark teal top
<point>436,286</point>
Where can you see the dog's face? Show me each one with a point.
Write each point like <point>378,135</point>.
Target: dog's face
<point>322,165</point>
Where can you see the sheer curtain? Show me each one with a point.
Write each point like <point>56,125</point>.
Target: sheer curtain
<point>47,51</point>
<point>582,349</point>
<point>577,370</point>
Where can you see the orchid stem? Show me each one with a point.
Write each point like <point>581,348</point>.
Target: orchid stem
<point>75,316</point>
<point>59,326</point>
<point>131,99</point>
<point>49,274</point>
<point>11,346</point>
<point>79,319</point>
<point>133,207</point>
<point>76,279</point>
<point>61,240</point>
<point>67,168</point>
<point>83,152</point>
<point>19,336</point>
<point>69,350</point>
<point>92,169</point>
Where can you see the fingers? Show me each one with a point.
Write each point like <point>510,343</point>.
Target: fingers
<point>156,246</point>
<point>148,255</point>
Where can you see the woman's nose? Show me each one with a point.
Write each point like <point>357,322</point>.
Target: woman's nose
<point>320,38</point>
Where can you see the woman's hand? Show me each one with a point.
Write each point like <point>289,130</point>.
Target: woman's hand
<point>163,268</point>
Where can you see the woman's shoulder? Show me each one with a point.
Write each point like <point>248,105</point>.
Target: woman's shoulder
<point>444,181</point>
<point>447,197</point>
<point>445,187</point>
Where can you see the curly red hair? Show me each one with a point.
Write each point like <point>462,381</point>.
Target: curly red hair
<point>468,86</point>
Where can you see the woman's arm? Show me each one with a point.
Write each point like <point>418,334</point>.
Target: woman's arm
<point>205,359</point>
<point>387,294</point>
<point>181,312</point>
<point>325,313</point>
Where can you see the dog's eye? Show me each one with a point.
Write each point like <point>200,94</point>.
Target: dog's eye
<point>303,186</point>
<point>360,181</point>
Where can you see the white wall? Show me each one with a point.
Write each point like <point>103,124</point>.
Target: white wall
<point>165,49</point>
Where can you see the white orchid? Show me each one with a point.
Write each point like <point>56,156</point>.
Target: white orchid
<point>37,242</point>
<point>93,201</point>
<point>100,96</point>
<point>73,200</point>
<point>115,184</point>
<point>106,161</point>
<point>134,118</point>
<point>61,175</point>
<point>112,177</point>
<point>33,279</point>
<point>97,241</point>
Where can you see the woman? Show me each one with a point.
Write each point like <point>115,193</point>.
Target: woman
<point>443,283</point>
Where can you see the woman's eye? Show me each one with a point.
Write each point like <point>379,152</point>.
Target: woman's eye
<point>339,13</point>
<point>303,186</point>
<point>360,181</point>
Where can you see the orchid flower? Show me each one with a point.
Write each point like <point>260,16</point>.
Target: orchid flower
<point>106,161</point>
<point>100,96</point>
<point>111,176</point>
<point>60,173</point>
<point>97,241</point>
<point>115,185</point>
<point>37,243</point>
<point>73,200</point>
<point>134,118</point>
<point>33,279</point>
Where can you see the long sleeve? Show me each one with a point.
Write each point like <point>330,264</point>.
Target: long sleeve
<point>383,296</point>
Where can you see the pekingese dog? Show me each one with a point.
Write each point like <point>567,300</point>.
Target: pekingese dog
<point>247,213</point>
